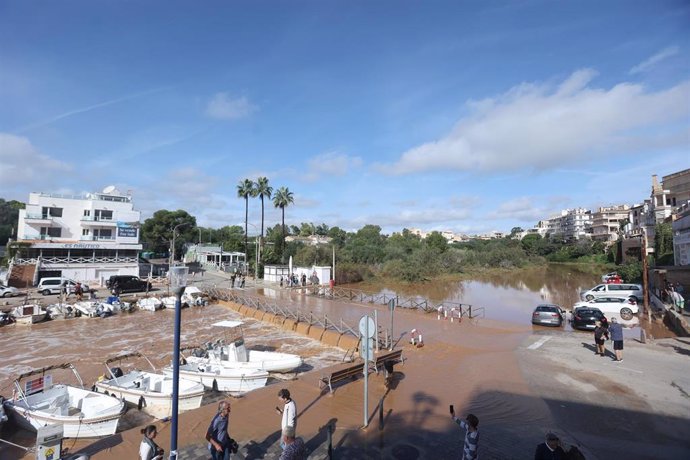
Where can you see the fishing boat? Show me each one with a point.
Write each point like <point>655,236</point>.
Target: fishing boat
<point>82,413</point>
<point>29,314</point>
<point>220,378</point>
<point>150,392</point>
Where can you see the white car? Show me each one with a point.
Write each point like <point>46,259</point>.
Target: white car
<point>605,278</point>
<point>8,291</point>
<point>613,307</point>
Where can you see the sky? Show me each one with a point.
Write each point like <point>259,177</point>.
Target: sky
<point>466,116</point>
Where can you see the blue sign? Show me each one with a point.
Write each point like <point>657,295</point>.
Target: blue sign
<point>127,232</point>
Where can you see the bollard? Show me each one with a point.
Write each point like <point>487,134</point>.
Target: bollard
<point>643,336</point>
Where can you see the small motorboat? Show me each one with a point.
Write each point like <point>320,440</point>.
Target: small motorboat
<point>235,354</point>
<point>3,415</point>
<point>221,378</point>
<point>88,308</point>
<point>191,297</point>
<point>82,413</point>
<point>60,311</point>
<point>6,318</point>
<point>150,304</point>
<point>148,391</point>
<point>29,314</point>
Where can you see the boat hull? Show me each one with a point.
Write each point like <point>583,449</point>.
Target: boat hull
<point>98,417</point>
<point>221,379</point>
<point>156,403</point>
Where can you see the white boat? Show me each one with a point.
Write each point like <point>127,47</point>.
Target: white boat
<point>60,311</point>
<point>29,314</point>
<point>149,391</point>
<point>221,378</point>
<point>86,308</point>
<point>191,297</point>
<point>3,415</point>
<point>113,304</point>
<point>235,355</point>
<point>150,304</point>
<point>82,413</point>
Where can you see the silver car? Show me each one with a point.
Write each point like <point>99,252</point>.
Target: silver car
<point>8,291</point>
<point>548,315</point>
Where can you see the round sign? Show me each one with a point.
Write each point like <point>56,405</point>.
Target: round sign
<point>363,327</point>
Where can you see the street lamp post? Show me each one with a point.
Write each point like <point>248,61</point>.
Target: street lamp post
<point>172,251</point>
<point>178,281</point>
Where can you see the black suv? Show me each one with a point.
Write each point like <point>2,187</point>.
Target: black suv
<point>127,283</point>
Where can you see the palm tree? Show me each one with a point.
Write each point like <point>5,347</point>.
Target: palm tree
<point>245,189</point>
<point>262,189</point>
<point>282,199</point>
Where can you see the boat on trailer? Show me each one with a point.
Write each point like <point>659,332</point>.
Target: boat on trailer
<point>234,354</point>
<point>150,392</point>
<point>82,413</point>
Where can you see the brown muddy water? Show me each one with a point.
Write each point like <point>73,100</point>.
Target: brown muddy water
<point>88,342</point>
<point>512,296</point>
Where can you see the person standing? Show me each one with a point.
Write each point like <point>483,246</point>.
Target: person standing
<point>218,433</point>
<point>289,413</point>
<point>148,449</point>
<point>601,334</point>
<point>294,447</point>
<point>79,291</point>
<point>470,425</point>
<point>550,450</point>
<point>616,331</point>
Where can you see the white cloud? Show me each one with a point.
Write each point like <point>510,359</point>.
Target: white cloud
<point>22,166</point>
<point>224,107</point>
<point>522,209</point>
<point>539,126</point>
<point>330,164</point>
<point>652,61</point>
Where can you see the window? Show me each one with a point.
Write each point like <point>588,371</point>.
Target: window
<point>51,212</point>
<point>85,232</point>
<point>102,214</point>
<point>87,212</point>
<point>51,231</point>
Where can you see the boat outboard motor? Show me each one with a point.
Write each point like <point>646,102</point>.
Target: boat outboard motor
<point>116,371</point>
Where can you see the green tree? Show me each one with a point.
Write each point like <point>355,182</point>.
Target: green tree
<point>663,243</point>
<point>321,229</point>
<point>9,219</point>
<point>262,189</point>
<point>282,199</point>
<point>338,236</point>
<point>436,241</point>
<point>157,231</point>
<point>306,229</point>
<point>245,189</point>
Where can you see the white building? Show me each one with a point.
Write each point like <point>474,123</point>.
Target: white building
<point>86,238</point>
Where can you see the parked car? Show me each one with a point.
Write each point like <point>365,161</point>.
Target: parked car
<point>605,278</point>
<point>585,318</point>
<point>618,290</point>
<point>51,285</point>
<point>8,291</point>
<point>618,307</point>
<point>127,283</point>
<point>548,315</point>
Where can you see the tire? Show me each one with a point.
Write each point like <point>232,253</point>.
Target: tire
<point>626,313</point>
<point>589,297</point>
<point>45,292</point>
<point>6,294</point>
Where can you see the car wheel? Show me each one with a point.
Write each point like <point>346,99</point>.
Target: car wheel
<point>626,313</point>
<point>589,298</point>
<point>46,292</point>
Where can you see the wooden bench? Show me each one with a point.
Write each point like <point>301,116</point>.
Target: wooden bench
<point>393,356</point>
<point>341,374</point>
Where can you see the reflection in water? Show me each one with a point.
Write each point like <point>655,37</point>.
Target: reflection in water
<point>510,296</point>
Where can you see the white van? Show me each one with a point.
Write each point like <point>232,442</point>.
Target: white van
<point>49,286</point>
<point>614,290</point>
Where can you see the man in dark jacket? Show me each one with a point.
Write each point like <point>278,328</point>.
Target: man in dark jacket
<point>550,450</point>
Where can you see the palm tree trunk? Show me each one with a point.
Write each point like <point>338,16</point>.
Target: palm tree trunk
<point>283,241</point>
<point>246,218</point>
<point>262,216</point>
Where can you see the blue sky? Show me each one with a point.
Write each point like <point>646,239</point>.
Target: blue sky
<point>462,115</point>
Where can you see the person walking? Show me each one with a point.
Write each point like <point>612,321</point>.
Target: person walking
<point>470,425</point>
<point>289,413</point>
<point>218,434</point>
<point>601,334</point>
<point>616,331</point>
<point>294,447</point>
<point>79,291</point>
<point>148,449</point>
<point>550,449</point>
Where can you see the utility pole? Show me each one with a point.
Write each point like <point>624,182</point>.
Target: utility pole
<point>645,275</point>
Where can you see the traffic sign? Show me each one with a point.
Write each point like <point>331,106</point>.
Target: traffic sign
<point>363,330</point>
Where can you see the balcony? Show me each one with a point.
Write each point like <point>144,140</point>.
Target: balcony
<point>96,238</point>
<point>38,219</point>
<point>92,221</point>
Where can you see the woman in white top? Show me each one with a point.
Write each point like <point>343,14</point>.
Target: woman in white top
<point>289,412</point>
<point>148,449</point>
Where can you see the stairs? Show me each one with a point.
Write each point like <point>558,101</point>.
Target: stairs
<point>22,276</point>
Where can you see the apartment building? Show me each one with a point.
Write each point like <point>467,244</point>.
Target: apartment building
<point>606,222</point>
<point>84,237</point>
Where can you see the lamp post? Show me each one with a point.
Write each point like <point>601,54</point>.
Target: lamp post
<point>256,243</point>
<point>172,251</point>
<point>178,281</point>
<point>645,275</point>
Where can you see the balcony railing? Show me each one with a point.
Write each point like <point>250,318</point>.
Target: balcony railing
<point>96,238</point>
<point>37,217</point>
<point>97,219</point>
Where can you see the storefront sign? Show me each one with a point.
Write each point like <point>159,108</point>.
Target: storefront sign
<point>127,232</point>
